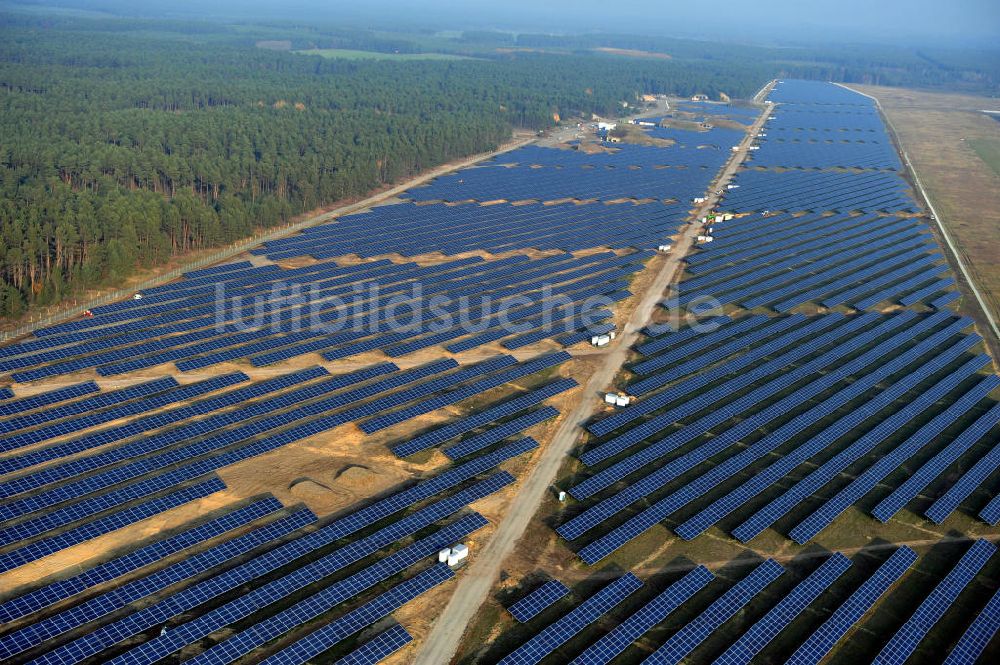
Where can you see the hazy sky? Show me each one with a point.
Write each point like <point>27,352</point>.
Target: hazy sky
<point>769,21</point>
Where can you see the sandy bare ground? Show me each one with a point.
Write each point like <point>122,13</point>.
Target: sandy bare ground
<point>475,583</point>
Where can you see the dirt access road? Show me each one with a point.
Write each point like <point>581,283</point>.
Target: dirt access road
<point>477,580</point>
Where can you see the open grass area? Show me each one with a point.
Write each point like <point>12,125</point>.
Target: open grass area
<point>988,151</point>
<point>351,54</point>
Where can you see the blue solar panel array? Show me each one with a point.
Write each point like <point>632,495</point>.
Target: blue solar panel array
<point>688,638</point>
<point>321,640</point>
<point>652,613</point>
<point>250,602</point>
<point>785,605</point>
<point>975,640</point>
<point>107,524</point>
<point>496,434</point>
<point>344,315</point>
<point>219,555</point>
<point>480,418</point>
<point>935,466</point>
<point>828,470</point>
<point>271,561</point>
<point>25,404</point>
<point>47,595</point>
<point>563,629</point>
<point>377,649</point>
<point>674,501</point>
<point>629,172</point>
<point>819,644</point>
<point>413,230</point>
<point>726,399</point>
<point>313,606</point>
<point>785,611</point>
<point>538,600</point>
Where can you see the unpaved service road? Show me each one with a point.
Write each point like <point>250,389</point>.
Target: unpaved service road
<point>477,580</point>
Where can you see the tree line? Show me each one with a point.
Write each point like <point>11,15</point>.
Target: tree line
<point>119,150</point>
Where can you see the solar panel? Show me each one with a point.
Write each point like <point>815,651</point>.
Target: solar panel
<point>157,394</point>
<point>702,360</point>
<point>723,439</point>
<point>975,640</point>
<point>687,639</point>
<point>652,402</point>
<point>100,606</point>
<point>25,404</point>
<point>819,644</point>
<point>535,602</point>
<point>816,479</point>
<point>865,482</point>
<point>315,605</point>
<point>949,297</point>
<point>157,551</point>
<point>479,418</point>
<point>908,637</point>
<point>519,370</point>
<point>789,460</point>
<point>563,629</point>
<point>785,611</point>
<point>935,466</point>
<point>755,372</point>
<point>925,292</point>
<point>112,522</point>
<point>713,418</point>
<point>991,511</point>
<point>966,484</point>
<point>321,640</point>
<point>164,645</point>
<point>496,434</point>
<point>375,650</point>
<point>652,613</point>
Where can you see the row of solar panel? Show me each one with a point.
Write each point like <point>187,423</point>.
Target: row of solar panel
<point>826,155</point>
<point>623,154</point>
<point>764,237</point>
<point>863,265</point>
<point>454,230</point>
<point>708,481</point>
<point>40,632</point>
<point>265,564</point>
<point>509,280</point>
<point>527,184</point>
<point>818,191</point>
<point>822,635</point>
<point>182,468</point>
<point>932,361</point>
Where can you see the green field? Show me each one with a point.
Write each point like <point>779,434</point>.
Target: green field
<point>376,55</point>
<point>988,151</point>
